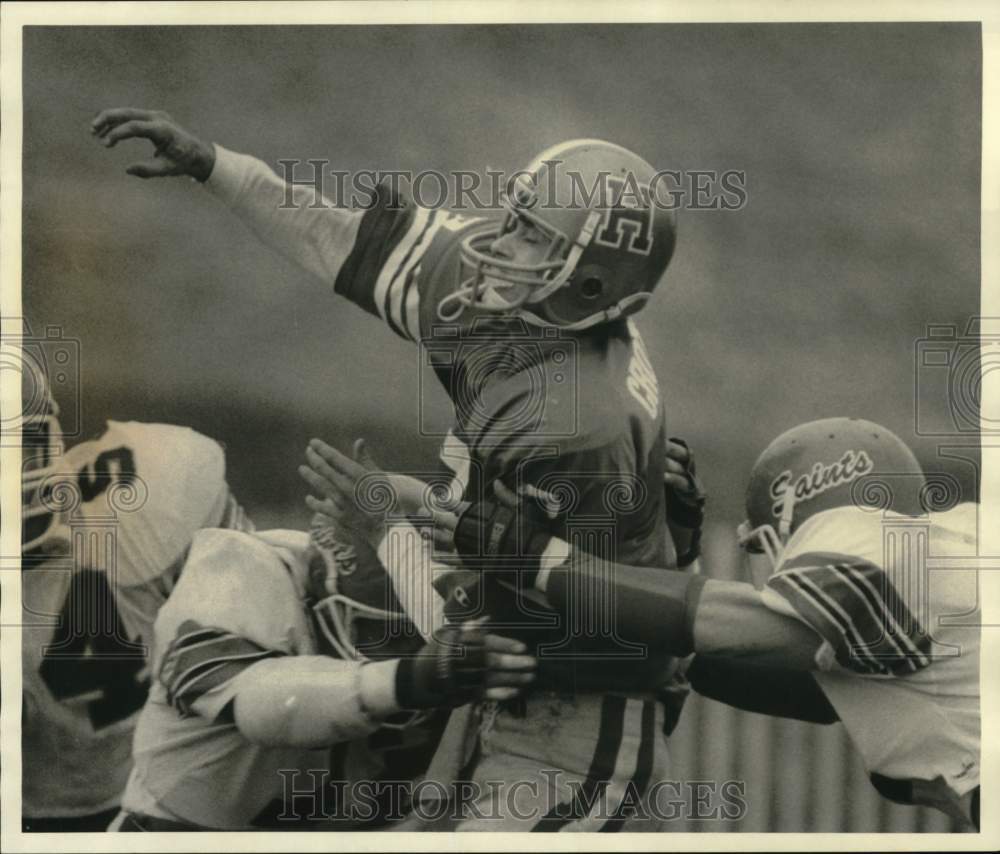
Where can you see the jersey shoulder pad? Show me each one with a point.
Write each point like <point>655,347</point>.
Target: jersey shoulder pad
<point>399,256</point>
<point>855,605</point>
<point>159,483</point>
<point>845,530</point>
<point>237,583</point>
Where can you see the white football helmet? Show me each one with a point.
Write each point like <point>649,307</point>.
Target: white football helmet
<point>42,518</point>
<point>820,465</point>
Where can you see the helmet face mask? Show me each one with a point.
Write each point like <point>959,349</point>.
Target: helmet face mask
<point>42,523</point>
<point>604,252</point>
<point>353,607</point>
<point>353,629</point>
<point>492,283</point>
<point>357,632</point>
<point>762,550</point>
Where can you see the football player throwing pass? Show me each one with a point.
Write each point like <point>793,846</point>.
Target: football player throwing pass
<point>527,322</point>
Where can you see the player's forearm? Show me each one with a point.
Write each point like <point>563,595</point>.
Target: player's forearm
<point>294,220</point>
<point>408,561</point>
<point>757,688</point>
<point>678,612</point>
<point>314,701</point>
<point>732,621</point>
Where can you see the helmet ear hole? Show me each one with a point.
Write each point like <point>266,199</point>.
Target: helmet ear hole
<point>591,288</point>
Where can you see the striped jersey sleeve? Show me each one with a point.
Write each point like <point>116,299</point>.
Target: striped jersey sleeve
<point>854,606</point>
<point>201,659</point>
<point>404,261</point>
<point>392,258</point>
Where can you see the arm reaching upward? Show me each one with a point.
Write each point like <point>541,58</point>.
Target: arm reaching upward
<point>390,257</point>
<point>294,220</point>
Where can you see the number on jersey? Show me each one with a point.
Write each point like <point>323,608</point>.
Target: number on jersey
<point>91,657</point>
<point>642,378</point>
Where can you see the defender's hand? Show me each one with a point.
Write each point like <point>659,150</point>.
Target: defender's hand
<point>461,664</point>
<point>178,152</point>
<point>356,493</point>
<point>685,501</point>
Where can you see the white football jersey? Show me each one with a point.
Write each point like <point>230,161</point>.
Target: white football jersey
<point>142,491</point>
<point>896,601</point>
<point>240,602</point>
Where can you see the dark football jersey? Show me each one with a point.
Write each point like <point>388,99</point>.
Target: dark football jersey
<point>577,416</point>
<point>529,402</point>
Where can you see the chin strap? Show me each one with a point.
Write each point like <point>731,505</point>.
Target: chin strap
<point>618,310</point>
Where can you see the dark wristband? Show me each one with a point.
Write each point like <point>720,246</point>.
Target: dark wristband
<point>411,692</point>
<point>655,607</point>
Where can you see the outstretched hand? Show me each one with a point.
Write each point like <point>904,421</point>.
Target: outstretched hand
<point>356,493</point>
<point>177,152</point>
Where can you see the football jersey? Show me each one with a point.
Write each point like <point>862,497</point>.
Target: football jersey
<point>579,415</point>
<point>142,491</point>
<point>895,600</point>
<point>576,416</point>
<point>239,608</point>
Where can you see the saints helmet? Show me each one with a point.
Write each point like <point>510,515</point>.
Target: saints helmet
<point>821,465</point>
<point>354,603</point>
<point>608,243</point>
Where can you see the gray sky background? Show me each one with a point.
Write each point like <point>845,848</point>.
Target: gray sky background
<point>860,143</point>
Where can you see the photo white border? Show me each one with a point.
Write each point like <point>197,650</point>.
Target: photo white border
<point>15,16</point>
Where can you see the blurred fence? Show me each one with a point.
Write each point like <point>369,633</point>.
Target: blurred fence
<point>798,777</point>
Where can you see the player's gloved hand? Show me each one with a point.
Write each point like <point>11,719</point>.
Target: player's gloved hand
<point>460,664</point>
<point>178,152</point>
<point>685,498</point>
<point>505,536</point>
<point>356,493</point>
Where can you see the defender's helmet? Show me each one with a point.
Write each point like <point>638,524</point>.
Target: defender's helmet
<point>41,449</point>
<point>356,608</point>
<point>608,242</point>
<point>814,467</point>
